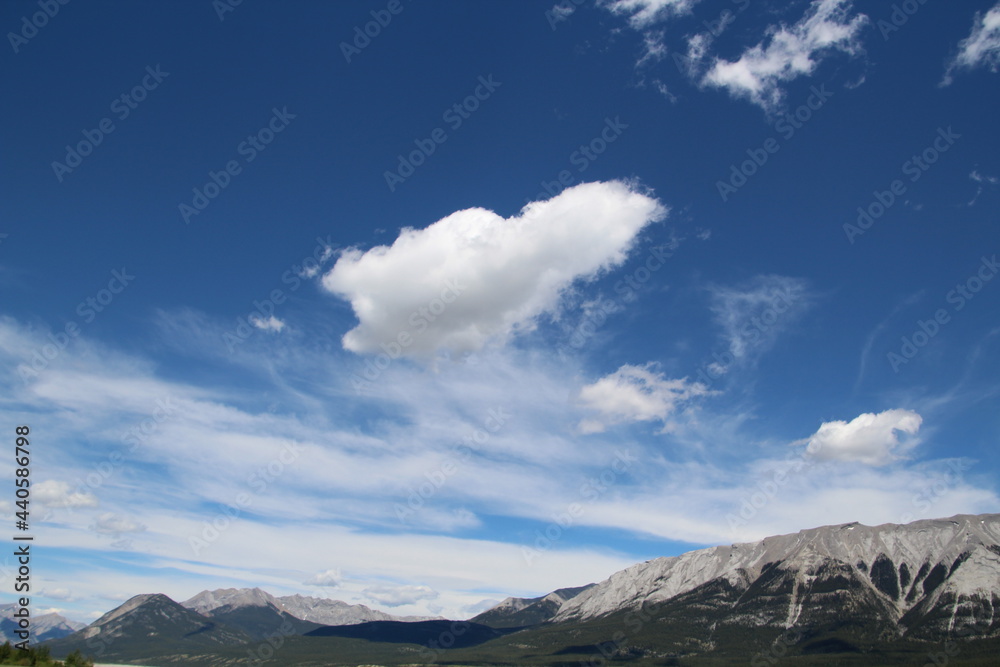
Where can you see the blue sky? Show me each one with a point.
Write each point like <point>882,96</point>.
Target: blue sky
<point>420,305</point>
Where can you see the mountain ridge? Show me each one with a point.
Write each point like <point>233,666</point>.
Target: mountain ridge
<point>515,612</point>
<point>888,591</point>
<point>666,577</point>
<point>44,626</point>
<point>323,611</point>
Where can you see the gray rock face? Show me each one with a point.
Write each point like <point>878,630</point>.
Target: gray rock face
<point>918,579</point>
<point>322,611</point>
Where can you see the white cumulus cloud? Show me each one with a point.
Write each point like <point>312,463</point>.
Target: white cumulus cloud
<point>635,393</point>
<point>58,494</point>
<point>872,439</point>
<point>474,276</point>
<point>397,596</point>
<point>325,578</point>
<point>788,53</point>
<point>981,47</point>
<point>57,594</point>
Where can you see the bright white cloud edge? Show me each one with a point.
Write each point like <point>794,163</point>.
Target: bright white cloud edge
<point>475,277</point>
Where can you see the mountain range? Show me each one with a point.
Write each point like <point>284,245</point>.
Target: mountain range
<point>844,594</point>
<point>258,613</point>
<point>522,612</point>
<point>44,626</point>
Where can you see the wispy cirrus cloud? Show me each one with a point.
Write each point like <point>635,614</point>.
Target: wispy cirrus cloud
<point>113,524</point>
<point>754,313</point>
<point>878,330</point>
<point>318,483</point>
